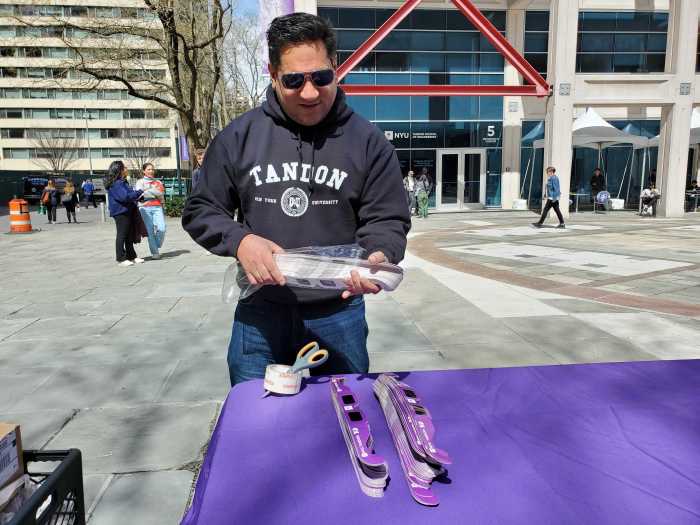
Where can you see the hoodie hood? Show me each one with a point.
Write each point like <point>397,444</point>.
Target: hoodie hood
<point>338,115</point>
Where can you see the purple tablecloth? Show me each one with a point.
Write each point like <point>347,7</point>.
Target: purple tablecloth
<point>602,443</point>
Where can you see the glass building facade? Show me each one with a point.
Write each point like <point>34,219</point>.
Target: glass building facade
<point>621,42</point>
<point>537,40</point>
<point>447,134</point>
<point>431,47</point>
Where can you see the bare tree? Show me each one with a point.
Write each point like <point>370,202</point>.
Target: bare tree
<point>139,147</point>
<point>55,153</point>
<point>173,59</point>
<point>245,66</point>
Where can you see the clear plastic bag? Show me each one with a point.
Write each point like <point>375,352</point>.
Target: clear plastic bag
<point>315,267</point>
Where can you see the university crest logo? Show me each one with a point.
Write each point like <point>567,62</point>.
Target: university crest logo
<point>294,202</point>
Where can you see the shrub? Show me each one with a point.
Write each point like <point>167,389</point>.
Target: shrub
<point>174,206</point>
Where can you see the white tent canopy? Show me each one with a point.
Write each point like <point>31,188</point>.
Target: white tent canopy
<point>695,127</point>
<point>591,131</point>
<point>694,132</point>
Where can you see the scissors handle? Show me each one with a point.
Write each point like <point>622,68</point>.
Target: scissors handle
<point>309,357</point>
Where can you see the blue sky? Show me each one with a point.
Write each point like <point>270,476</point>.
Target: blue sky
<point>248,5</point>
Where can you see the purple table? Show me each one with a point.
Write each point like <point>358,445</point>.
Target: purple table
<point>603,443</point>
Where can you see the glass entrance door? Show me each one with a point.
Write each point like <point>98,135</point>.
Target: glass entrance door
<point>461,178</point>
<point>472,178</point>
<point>450,179</point>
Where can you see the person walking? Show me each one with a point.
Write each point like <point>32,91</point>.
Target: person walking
<point>409,184</point>
<point>122,204</point>
<point>305,170</point>
<point>423,188</point>
<point>151,208</point>
<point>69,199</point>
<point>89,192</point>
<point>553,195</point>
<point>50,198</point>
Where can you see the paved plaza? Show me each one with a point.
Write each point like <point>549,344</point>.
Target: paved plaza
<point>128,364</point>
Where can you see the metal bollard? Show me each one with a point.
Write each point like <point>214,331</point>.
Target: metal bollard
<point>103,216</point>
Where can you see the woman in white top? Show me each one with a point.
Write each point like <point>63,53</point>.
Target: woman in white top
<point>151,208</point>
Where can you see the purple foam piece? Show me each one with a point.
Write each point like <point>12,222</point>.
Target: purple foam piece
<point>417,420</point>
<point>359,429</point>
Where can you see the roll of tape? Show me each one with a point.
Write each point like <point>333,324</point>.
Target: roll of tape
<point>280,380</point>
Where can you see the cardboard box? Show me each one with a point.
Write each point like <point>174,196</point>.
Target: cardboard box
<point>11,464</point>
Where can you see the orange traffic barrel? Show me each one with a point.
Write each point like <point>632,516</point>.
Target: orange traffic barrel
<point>20,222</point>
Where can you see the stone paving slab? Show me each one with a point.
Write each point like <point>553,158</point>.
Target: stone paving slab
<point>186,290</point>
<point>93,486</point>
<point>157,498</point>
<point>119,384</point>
<point>8,327</point>
<point>138,438</point>
<point>576,306</point>
<point>19,384</point>
<point>598,350</point>
<point>58,328</point>
<point>39,426</point>
<point>494,355</point>
<point>58,309</point>
<point>196,379</point>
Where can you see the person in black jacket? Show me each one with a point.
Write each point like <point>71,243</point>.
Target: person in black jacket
<point>597,183</point>
<point>69,199</point>
<point>123,209</point>
<point>50,197</point>
<point>303,170</point>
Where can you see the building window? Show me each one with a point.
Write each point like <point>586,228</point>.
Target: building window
<point>11,113</point>
<point>16,153</point>
<point>11,93</point>
<point>33,52</point>
<point>621,42</point>
<point>162,152</point>
<point>77,10</point>
<point>12,133</point>
<point>537,40</point>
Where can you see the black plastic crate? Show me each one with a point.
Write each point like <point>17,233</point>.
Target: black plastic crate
<point>62,488</point>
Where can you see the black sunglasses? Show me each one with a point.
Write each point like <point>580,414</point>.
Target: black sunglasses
<point>320,78</point>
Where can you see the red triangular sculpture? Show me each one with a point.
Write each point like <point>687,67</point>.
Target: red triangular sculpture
<point>538,87</point>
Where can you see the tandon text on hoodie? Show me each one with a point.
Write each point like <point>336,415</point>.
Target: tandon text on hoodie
<point>338,182</point>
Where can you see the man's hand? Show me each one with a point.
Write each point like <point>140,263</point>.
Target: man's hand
<point>255,255</point>
<point>359,286</point>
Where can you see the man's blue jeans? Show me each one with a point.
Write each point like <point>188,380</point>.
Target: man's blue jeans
<point>154,219</point>
<point>265,333</point>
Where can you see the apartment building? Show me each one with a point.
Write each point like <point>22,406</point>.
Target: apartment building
<point>45,106</point>
<point>633,61</point>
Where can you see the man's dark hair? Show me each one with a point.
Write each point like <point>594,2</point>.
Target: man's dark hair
<point>299,28</point>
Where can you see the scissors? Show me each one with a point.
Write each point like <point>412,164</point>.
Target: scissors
<point>309,357</point>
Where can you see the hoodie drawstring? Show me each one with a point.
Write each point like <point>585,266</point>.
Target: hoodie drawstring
<point>313,158</point>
